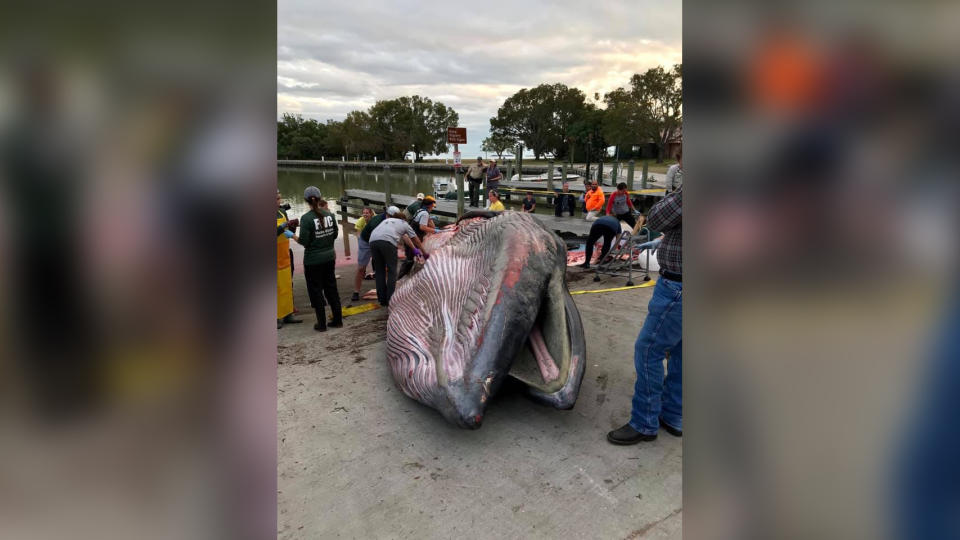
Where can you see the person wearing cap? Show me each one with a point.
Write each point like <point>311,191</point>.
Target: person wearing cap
<point>422,224</point>
<point>475,180</point>
<point>414,207</point>
<point>318,230</point>
<point>285,231</point>
<point>383,245</point>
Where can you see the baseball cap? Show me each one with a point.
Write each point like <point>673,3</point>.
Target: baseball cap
<point>420,196</point>
<point>429,199</point>
<point>392,211</point>
<point>312,191</point>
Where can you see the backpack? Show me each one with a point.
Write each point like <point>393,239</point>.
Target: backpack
<point>415,225</point>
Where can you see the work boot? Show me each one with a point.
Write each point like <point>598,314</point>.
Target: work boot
<point>279,324</point>
<point>321,325</point>
<point>670,429</point>
<point>585,265</point>
<point>355,297</point>
<point>336,323</point>
<point>627,435</point>
<point>290,319</point>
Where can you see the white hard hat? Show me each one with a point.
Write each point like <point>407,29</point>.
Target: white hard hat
<point>392,211</point>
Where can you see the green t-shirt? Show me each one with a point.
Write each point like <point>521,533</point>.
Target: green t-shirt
<point>413,208</point>
<point>317,233</point>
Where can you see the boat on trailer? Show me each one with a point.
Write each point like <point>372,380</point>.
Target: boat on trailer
<point>571,177</point>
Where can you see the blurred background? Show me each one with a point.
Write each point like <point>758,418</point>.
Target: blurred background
<point>137,358</point>
<point>821,298</point>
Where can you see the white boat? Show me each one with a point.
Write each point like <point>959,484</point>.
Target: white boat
<point>571,177</point>
<point>444,186</point>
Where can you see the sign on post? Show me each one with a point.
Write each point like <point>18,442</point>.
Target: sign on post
<point>456,159</point>
<point>456,135</point>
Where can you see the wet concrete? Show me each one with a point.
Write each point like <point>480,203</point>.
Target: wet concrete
<point>358,459</point>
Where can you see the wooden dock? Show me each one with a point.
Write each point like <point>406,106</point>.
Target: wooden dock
<point>446,211</point>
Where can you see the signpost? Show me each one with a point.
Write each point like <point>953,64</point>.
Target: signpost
<point>457,136</point>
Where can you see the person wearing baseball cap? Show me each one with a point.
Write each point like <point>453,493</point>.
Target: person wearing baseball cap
<point>318,231</point>
<point>422,224</point>
<point>414,207</point>
<point>383,244</point>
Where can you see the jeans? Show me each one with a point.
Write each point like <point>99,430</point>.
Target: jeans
<point>656,396</point>
<point>385,269</point>
<point>595,234</point>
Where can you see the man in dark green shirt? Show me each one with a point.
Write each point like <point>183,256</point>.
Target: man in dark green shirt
<point>318,231</point>
<point>414,207</point>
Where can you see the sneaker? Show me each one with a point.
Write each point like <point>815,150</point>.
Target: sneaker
<point>627,435</point>
<point>670,429</point>
<point>355,297</point>
<point>290,319</point>
<point>335,324</point>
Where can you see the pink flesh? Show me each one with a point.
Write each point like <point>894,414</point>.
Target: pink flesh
<point>548,368</point>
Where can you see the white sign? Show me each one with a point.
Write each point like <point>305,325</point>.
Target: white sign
<point>456,159</point>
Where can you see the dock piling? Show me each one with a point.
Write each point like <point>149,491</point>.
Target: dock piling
<point>550,175</point>
<point>386,184</point>
<point>630,166</point>
<point>643,176</point>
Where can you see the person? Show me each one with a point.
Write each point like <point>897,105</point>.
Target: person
<point>675,174</point>
<point>284,265</point>
<point>620,205</point>
<point>383,245</point>
<point>593,201</point>
<point>529,204</point>
<point>318,230</point>
<point>494,176</point>
<point>422,224</point>
<point>606,226</point>
<point>564,202</point>
<point>363,251</point>
<point>475,180</point>
<point>657,399</point>
<point>414,207</point>
<point>495,204</point>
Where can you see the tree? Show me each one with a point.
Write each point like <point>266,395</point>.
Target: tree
<point>498,143</point>
<point>412,123</point>
<point>651,110</point>
<point>540,118</point>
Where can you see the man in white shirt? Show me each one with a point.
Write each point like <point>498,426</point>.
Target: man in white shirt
<point>383,245</point>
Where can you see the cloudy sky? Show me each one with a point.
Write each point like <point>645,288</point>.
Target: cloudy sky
<point>337,56</point>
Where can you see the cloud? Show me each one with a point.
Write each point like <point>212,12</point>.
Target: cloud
<point>335,57</point>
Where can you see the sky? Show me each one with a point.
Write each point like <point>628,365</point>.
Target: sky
<point>336,57</point>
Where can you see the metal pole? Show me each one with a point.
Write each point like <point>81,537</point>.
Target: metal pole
<point>630,166</point>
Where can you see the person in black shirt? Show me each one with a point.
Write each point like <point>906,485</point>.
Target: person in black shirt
<point>564,202</point>
<point>529,204</point>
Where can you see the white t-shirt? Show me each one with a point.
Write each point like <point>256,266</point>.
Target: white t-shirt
<point>391,230</point>
<point>674,177</point>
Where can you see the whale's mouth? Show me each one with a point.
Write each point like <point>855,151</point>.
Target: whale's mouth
<point>551,361</point>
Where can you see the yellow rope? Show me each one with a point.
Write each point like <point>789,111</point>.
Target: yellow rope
<point>650,283</point>
<point>362,308</point>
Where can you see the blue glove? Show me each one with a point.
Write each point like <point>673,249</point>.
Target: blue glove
<point>417,252</point>
<point>288,234</point>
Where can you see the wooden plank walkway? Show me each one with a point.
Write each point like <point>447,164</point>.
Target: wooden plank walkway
<point>571,225</point>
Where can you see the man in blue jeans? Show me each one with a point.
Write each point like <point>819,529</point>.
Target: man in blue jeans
<point>657,399</point>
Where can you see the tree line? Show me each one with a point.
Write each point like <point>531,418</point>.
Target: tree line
<point>550,120</point>
<point>388,130</point>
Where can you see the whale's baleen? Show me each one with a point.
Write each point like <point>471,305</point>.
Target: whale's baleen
<point>492,300</point>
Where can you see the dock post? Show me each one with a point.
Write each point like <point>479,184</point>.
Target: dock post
<point>643,176</point>
<point>550,175</point>
<point>344,210</point>
<point>459,193</point>
<point>630,166</point>
<point>386,185</point>
<point>509,171</point>
<point>600,173</point>
<point>614,173</point>
<point>410,179</point>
